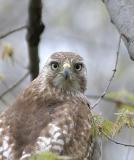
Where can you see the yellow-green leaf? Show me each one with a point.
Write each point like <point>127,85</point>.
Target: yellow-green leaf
<point>49,156</point>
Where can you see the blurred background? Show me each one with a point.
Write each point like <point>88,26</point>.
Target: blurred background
<point>78,26</point>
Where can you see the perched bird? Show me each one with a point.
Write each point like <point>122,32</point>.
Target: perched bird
<point>51,114</point>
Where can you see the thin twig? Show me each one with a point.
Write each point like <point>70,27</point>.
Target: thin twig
<point>12,31</point>
<point>15,85</point>
<point>110,80</point>
<point>128,150</point>
<point>3,101</point>
<point>120,102</point>
<point>116,142</point>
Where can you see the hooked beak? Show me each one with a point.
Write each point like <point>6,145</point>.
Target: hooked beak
<point>66,71</point>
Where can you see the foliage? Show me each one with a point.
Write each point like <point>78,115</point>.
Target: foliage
<point>1,77</point>
<point>48,156</point>
<point>44,156</point>
<point>124,116</point>
<point>102,125</point>
<point>7,52</point>
<point>122,96</point>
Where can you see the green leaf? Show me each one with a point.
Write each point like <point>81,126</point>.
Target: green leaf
<point>1,77</point>
<point>125,117</point>
<point>48,156</point>
<point>122,95</point>
<point>108,127</point>
<point>45,156</point>
<point>103,125</point>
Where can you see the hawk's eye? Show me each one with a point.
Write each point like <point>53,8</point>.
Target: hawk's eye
<point>54,65</point>
<point>78,66</point>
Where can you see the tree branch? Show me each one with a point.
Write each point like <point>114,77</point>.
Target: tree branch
<point>14,85</point>
<point>111,78</point>
<point>35,28</point>
<point>122,16</point>
<point>120,102</point>
<point>116,142</point>
<point>12,31</point>
<point>3,101</point>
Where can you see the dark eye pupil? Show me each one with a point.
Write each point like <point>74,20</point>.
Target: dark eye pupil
<point>77,66</point>
<point>55,65</point>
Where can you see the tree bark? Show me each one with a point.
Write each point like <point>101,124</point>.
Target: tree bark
<point>34,29</point>
<point>122,16</point>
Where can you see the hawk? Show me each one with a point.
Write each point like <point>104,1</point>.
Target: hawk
<point>51,114</point>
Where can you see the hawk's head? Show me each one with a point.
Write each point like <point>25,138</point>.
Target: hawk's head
<point>66,71</point>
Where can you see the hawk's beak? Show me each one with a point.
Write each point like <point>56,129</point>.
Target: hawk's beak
<point>66,71</point>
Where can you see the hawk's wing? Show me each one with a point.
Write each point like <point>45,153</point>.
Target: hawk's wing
<point>68,133</point>
<point>6,143</point>
<point>21,124</point>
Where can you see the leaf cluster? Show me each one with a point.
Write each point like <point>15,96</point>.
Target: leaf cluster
<point>124,116</point>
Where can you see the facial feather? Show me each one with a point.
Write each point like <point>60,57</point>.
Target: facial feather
<point>66,72</point>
